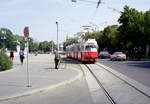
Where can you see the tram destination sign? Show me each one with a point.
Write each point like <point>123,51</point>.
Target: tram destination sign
<point>90,43</point>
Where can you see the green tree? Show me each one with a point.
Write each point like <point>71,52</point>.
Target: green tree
<point>89,35</point>
<point>20,41</point>
<point>135,29</point>
<point>52,45</point>
<point>5,62</point>
<point>107,39</point>
<point>147,31</point>
<point>69,42</point>
<point>33,45</point>
<point>44,46</point>
<point>8,42</point>
<point>132,28</point>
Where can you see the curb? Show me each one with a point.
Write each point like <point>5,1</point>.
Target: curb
<point>77,77</point>
<point>132,82</point>
<point>7,71</point>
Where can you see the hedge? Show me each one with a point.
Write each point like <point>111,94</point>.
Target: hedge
<point>5,62</point>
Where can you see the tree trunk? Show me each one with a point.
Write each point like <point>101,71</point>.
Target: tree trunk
<point>147,50</point>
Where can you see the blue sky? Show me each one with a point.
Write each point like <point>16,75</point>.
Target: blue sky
<point>41,15</point>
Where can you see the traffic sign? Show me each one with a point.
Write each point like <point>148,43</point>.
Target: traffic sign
<point>26,32</point>
<point>26,35</point>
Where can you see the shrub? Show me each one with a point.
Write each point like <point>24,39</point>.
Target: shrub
<point>5,62</point>
<point>40,52</point>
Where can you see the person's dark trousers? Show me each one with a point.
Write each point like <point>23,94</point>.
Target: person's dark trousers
<point>21,59</point>
<point>56,63</point>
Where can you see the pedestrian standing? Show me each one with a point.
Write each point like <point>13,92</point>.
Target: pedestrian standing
<point>12,55</point>
<point>57,58</point>
<point>21,54</point>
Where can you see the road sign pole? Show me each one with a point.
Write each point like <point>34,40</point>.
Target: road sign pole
<point>26,34</point>
<point>28,71</point>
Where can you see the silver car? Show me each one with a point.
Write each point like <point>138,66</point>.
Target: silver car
<point>104,54</point>
<point>118,56</point>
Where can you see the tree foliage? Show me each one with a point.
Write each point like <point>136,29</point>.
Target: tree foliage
<point>107,39</point>
<point>5,62</point>
<point>46,46</point>
<point>7,39</point>
<point>69,42</point>
<point>134,28</point>
<point>11,41</point>
<point>19,41</point>
<point>88,35</point>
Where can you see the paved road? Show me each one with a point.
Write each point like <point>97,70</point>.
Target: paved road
<point>43,75</point>
<point>137,70</point>
<point>121,92</point>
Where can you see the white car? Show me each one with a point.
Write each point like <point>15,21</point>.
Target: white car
<point>118,56</point>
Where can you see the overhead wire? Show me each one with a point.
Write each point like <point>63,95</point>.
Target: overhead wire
<point>98,2</point>
<point>88,1</point>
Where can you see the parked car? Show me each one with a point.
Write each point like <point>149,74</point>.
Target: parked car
<point>104,54</point>
<point>118,56</point>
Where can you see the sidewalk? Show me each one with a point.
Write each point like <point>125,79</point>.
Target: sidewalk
<point>43,77</point>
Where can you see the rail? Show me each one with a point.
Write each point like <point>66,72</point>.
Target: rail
<point>100,84</point>
<point>125,81</point>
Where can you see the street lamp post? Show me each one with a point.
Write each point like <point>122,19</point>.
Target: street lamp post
<point>3,38</point>
<point>52,47</point>
<point>4,43</point>
<point>57,35</point>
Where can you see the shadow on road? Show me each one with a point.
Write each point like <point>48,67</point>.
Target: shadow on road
<point>69,61</point>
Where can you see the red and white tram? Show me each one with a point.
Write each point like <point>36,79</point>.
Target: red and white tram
<point>85,51</point>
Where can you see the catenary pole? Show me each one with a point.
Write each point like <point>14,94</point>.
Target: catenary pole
<point>57,35</point>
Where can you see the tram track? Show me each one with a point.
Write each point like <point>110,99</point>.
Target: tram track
<point>125,82</point>
<point>100,84</point>
<point>108,91</point>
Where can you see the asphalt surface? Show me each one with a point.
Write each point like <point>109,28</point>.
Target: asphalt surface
<point>75,93</point>
<point>137,70</point>
<point>120,91</point>
<point>43,77</point>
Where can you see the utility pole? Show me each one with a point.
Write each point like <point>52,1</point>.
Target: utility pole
<point>57,35</point>
<point>52,46</point>
<point>3,38</point>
